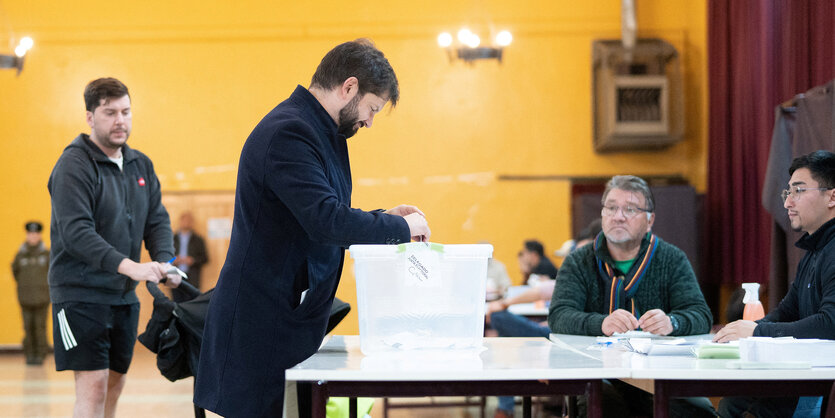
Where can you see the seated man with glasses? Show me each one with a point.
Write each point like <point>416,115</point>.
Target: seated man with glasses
<point>630,279</point>
<point>808,310</point>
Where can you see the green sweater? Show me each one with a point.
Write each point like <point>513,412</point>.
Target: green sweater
<point>578,305</point>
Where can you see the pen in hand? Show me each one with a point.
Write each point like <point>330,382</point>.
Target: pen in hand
<point>175,270</point>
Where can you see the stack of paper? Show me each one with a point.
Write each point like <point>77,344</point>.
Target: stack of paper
<point>650,347</point>
<point>819,353</point>
<point>708,349</point>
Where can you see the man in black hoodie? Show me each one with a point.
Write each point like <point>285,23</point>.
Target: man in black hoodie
<point>105,202</point>
<point>808,309</point>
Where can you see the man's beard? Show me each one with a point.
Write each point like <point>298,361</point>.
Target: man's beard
<point>105,139</point>
<point>348,117</point>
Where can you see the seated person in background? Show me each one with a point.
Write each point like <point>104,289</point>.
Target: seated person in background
<point>497,279</point>
<point>532,261</point>
<point>626,280</point>
<point>808,310</point>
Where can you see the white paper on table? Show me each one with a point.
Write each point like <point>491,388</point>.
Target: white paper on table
<point>819,353</point>
<point>635,334</point>
<point>650,347</point>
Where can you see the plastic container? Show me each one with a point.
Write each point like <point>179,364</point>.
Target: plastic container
<point>420,296</point>
<point>753,308</point>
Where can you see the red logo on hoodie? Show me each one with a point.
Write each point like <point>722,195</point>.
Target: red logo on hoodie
<point>141,181</point>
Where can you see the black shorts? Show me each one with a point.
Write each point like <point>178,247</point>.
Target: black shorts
<point>92,336</point>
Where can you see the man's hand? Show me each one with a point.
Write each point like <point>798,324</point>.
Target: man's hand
<point>656,322</point>
<point>404,210</point>
<point>418,227</point>
<point>173,279</point>
<point>619,321</point>
<point>494,306</point>
<point>735,330</point>
<point>151,272</point>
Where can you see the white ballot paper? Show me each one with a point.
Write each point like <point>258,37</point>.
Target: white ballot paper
<point>657,347</point>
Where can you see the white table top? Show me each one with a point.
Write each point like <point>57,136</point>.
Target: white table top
<point>683,367</point>
<point>340,359</point>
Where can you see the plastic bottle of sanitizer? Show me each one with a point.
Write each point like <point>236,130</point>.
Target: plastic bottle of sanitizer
<point>753,308</point>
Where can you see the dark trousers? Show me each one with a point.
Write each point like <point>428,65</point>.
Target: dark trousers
<point>34,327</point>
<point>738,406</point>
<point>621,399</point>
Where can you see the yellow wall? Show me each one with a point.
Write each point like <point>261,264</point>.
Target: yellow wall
<point>202,74</point>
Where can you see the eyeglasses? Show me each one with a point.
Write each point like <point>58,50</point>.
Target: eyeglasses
<point>629,212</point>
<point>795,191</point>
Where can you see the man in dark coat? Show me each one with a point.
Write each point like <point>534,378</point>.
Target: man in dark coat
<point>190,250</point>
<point>293,220</point>
<point>807,311</point>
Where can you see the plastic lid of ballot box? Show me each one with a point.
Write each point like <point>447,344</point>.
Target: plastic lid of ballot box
<point>420,296</point>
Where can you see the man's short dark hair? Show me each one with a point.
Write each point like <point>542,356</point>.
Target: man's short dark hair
<point>820,163</point>
<point>360,59</point>
<point>535,246</point>
<point>103,89</point>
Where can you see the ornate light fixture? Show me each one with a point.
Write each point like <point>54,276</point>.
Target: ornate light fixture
<point>468,46</point>
<point>16,60</point>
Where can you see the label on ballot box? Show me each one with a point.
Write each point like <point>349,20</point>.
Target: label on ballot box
<point>423,264</point>
<point>420,296</point>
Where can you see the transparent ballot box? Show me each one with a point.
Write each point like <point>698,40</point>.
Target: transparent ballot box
<point>420,295</point>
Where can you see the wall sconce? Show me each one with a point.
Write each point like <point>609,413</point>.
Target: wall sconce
<point>16,60</point>
<point>468,48</point>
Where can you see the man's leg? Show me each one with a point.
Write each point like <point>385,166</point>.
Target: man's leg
<point>510,325</point>
<point>736,406</point>
<point>115,384</point>
<point>692,407</point>
<point>39,337</point>
<point>122,341</point>
<point>28,334</point>
<point>90,393</point>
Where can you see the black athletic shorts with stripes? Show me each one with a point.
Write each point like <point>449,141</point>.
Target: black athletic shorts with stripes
<point>93,336</point>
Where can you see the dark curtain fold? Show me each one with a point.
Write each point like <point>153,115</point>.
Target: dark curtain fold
<point>760,54</point>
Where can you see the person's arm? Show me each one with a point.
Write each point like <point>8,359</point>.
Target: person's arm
<point>296,175</point>
<point>16,267</point>
<point>72,189</point>
<point>819,325</point>
<point>686,300</point>
<point>567,313</point>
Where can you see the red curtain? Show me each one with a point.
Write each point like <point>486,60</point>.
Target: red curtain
<point>760,54</point>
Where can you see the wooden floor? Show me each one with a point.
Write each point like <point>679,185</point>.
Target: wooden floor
<point>40,391</point>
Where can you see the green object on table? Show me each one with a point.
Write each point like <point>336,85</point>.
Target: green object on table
<point>337,407</point>
<point>718,351</point>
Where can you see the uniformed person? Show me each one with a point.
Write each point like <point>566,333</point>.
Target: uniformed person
<point>30,268</point>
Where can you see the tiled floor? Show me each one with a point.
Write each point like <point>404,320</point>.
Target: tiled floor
<point>40,391</point>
